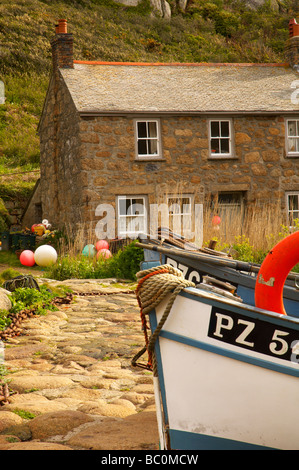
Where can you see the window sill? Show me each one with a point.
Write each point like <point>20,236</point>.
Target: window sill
<point>223,157</point>
<point>150,159</point>
<point>292,155</point>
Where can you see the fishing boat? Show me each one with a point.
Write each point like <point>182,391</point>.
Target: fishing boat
<point>226,373</point>
<point>214,267</point>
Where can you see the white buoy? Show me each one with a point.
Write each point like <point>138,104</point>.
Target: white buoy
<point>45,255</point>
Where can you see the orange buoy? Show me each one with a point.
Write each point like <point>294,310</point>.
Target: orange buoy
<point>273,273</point>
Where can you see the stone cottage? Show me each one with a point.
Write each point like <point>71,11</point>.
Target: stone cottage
<point>132,135</point>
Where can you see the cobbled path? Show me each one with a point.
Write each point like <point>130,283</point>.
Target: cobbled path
<point>72,386</point>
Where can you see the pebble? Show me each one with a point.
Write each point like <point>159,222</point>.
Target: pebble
<point>70,376</point>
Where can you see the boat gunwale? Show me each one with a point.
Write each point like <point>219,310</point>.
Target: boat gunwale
<point>235,304</point>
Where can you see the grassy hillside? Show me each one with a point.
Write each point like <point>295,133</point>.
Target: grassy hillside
<point>208,31</point>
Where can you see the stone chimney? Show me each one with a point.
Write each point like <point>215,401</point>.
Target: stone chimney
<point>62,47</point>
<point>292,46</point>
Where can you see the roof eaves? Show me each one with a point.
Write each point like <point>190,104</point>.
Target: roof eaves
<point>182,64</point>
<point>95,113</point>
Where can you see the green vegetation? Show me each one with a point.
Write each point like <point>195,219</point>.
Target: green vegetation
<point>7,274</point>
<point>28,298</point>
<point>243,250</point>
<point>3,372</point>
<point>25,298</point>
<point>122,265</point>
<point>5,321</point>
<point>24,414</point>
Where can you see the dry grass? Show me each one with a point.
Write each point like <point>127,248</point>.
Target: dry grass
<point>259,227</point>
<point>262,226</point>
<point>75,240</point>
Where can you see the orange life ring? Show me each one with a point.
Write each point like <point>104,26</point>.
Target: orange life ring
<point>273,273</point>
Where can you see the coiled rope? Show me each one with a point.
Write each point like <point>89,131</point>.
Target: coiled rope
<point>154,285</point>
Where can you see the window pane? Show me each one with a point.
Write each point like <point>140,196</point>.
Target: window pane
<point>138,201</point>
<point>215,129</point>
<point>172,200</point>
<point>186,206</point>
<point>152,147</point>
<point>174,208</point>
<point>224,146</point>
<point>152,129</point>
<point>135,224</point>
<point>142,147</point>
<point>215,145</point>
<point>128,206</point>
<point>293,144</point>
<point>224,129</point>
<point>122,224</point>
<point>230,198</point>
<point>137,207</point>
<point>293,202</point>
<point>141,126</point>
<point>292,128</point>
<point>122,207</point>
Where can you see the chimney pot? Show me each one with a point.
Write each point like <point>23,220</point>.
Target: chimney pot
<point>62,47</point>
<point>293,28</point>
<point>62,27</point>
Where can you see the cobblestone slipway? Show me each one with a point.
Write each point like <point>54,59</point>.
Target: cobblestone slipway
<point>71,369</point>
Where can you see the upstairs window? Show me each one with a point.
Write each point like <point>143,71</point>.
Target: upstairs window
<point>148,138</point>
<point>292,137</point>
<point>220,138</point>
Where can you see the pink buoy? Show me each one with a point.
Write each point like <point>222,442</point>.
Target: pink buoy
<point>102,244</point>
<point>216,220</point>
<point>104,253</point>
<point>27,258</point>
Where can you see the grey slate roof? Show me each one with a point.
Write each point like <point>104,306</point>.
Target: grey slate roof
<point>181,88</point>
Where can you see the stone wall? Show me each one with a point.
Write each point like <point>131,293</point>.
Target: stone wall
<point>259,167</point>
<point>15,209</point>
<point>60,165</point>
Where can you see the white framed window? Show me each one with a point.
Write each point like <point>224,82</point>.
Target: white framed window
<point>180,214</point>
<point>220,138</point>
<point>292,205</point>
<point>292,137</point>
<point>148,140</point>
<point>132,215</point>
